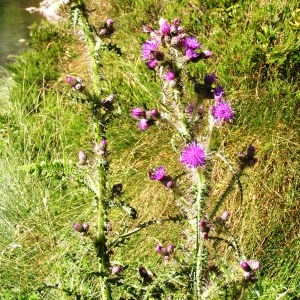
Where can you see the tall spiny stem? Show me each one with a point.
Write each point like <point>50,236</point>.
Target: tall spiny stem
<point>199,243</point>
<point>93,43</point>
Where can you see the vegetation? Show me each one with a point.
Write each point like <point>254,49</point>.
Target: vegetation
<point>44,124</point>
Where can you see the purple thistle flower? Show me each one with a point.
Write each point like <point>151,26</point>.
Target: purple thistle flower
<point>222,112</point>
<point>191,43</point>
<point>152,64</point>
<point>210,79</point>
<point>193,155</point>
<point>158,249</point>
<point>109,22</point>
<point>147,49</point>
<point>137,113</point>
<point>169,76</point>
<point>218,93</point>
<point>164,27</point>
<point>190,54</point>
<point>150,50</point>
<point>143,124</point>
<point>158,174</point>
<point>154,113</point>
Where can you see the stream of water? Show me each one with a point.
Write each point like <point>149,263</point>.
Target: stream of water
<point>14,25</point>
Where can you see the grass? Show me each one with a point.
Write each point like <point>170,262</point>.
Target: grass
<point>256,60</point>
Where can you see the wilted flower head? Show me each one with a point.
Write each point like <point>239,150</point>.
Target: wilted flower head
<point>225,216</point>
<point>205,54</point>
<point>107,103</point>
<point>222,112</point>
<point>210,79</point>
<point>107,29</point>
<point>145,274</point>
<point>165,251</point>
<point>109,22</point>
<point>193,155</point>
<point>248,157</point>
<point>117,190</point>
<point>190,109</point>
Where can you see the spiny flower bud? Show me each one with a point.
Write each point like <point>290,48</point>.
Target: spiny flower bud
<point>76,83</point>
<point>101,147</point>
<point>225,216</point>
<point>138,112</point>
<point>83,228</point>
<point>115,270</point>
<point>82,157</point>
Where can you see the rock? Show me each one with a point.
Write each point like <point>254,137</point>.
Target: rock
<point>49,9</point>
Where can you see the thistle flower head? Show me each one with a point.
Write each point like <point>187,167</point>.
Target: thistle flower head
<point>150,50</point>
<point>210,79</point>
<point>158,173</point>
<point>115,270</point>
<point>152,64</point>
<point>222,112</point>
<point>218,93</point>
<point>170,78</point>
<point>153,113</point>
<point>164,28</point>
<point>191,54</point>
<point>193,155</point>
<point>144,124</point>
<point>137,113</point>
<point>191,43</point>
<point>109,22</point>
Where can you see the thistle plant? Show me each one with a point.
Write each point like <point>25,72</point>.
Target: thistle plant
<point>101,112</point>
<point>168,52</point>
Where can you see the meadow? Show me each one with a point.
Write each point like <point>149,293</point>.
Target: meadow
<point>46,193</point>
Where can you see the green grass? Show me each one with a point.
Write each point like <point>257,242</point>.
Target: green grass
<point>42,193</point>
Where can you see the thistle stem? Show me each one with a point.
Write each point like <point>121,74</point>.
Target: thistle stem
<point>200,242</point>
<point>99,128</point>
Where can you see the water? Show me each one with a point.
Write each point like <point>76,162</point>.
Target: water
<point>14,23</point>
